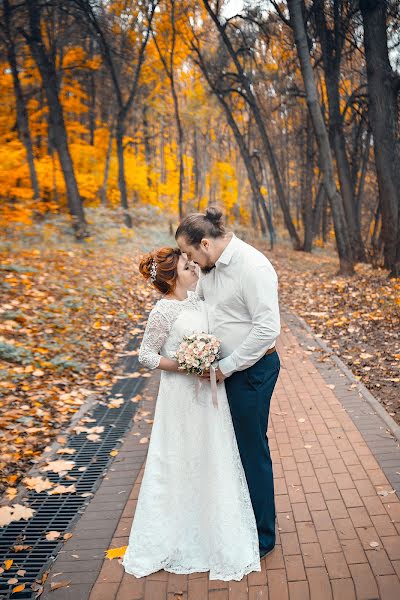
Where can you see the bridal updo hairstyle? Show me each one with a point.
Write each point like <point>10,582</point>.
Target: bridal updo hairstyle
<point>166,261</point>
<point>197,226</point>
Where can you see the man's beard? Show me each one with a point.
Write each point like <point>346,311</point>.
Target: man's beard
<point>207,269</point>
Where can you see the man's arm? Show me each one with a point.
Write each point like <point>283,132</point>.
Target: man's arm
<point>260,293</point>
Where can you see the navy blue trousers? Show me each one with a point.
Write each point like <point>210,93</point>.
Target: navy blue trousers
<point>249,396</point>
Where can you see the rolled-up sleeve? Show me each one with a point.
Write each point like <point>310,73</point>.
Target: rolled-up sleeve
<point>259,290</point>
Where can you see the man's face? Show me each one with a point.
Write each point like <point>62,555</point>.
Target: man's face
<point>201,255</point>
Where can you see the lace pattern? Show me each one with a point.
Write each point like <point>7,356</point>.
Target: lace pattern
<point>159,324</point>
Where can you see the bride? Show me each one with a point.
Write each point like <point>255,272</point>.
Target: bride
<point>194,512</point>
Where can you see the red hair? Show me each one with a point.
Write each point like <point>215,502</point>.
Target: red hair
<point>166,263</point>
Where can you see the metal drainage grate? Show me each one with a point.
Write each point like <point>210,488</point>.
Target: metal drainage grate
<point>59,512</point>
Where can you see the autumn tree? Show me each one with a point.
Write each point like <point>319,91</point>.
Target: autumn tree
<point>243,78</point>
<point>321,134</point>
<point>44,52</point>
<point>123,55</point>
<point>11,43</point>
<point>383,92</point>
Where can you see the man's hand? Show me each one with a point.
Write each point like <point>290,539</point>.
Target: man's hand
<point>220,376</point>
<point>218,373</point>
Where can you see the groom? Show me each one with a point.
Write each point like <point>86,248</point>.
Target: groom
<point>241,286</point>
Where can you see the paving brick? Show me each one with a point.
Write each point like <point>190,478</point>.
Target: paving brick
<point>290,543</point>
<point>343,589</point>
<point>329,541</point>
<point>319,583</point>
<point>154,590</point>
<point>315,501</point>
<point>364,582</point>
<point>312,555</point>
<point>389,587</point>
<point>179,583</point>
<point>286,522</point>
<point>383,525</point>
<point>218,595</point>
<point>392,546</point>
<point>365,487</point>
<point>273,560</point>
<point>336,565</point>
<point>359,517</point>
<point>324,475</point>
<point>322,520</point>
<point>277,584</point>
<point>298,590</point>
<point>257,592</point>
<point>379,561</point>
<point>374,506</point>
<point>337,509</point>
<point>295,568</point>
<point>301,512</point>
<point>112,571</point>
<point>353,551</point>
<point>104,591</point>
<point>343,481</point>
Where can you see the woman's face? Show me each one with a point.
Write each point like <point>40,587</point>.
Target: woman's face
<point>187,273</point>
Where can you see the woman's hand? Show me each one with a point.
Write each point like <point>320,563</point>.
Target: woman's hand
<point>168,364</point>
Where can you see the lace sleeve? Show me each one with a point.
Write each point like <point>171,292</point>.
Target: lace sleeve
<point>155,334</point>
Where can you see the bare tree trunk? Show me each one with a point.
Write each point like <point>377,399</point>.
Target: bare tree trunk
<point>196,166</point>
<point>24,132</point>
<point>124,100</point>
<point>180,146</point>
<point>383,116</point>
<point>92,98</point>
<point>169,70</point>
<point>103,189</point>
<point>258,198</point>
<point>119,135</point>
<point>331,44</point>
<point>47,69</point>
<point>253,104</point>
<point>147,147</point>
<point>317,211</point>
<point>321,134</point>
<point>361,180</point>
<point>307,213</point>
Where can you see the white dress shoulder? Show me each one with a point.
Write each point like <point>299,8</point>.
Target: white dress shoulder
<point>194,512</point>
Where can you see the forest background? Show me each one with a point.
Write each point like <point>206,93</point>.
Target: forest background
<point>119,117</point>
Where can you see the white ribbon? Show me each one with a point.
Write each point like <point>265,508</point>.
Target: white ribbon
<point>213,381</point>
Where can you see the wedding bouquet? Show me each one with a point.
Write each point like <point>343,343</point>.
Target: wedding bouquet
<point>197,352</point>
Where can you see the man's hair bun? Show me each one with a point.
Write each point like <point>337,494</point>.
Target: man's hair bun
<point>214,215</point>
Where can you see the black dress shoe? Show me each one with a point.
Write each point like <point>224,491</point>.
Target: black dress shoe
<point>266,552</point>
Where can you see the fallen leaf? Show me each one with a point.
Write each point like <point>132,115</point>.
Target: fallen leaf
<point>115,552</point>
<point>52,535</point>
<point>59,584</point>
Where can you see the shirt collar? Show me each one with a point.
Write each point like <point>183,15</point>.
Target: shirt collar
<point>228,252</point>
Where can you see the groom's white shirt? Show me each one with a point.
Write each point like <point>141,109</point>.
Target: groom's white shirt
<point>242,295</point>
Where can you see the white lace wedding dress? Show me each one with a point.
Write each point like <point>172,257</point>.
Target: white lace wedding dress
<point>194,512</point>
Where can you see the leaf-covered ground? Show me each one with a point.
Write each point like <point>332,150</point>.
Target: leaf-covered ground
<point>359,316</point>
<point>67,310</point>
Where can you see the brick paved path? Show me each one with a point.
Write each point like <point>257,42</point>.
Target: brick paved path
<point>333,497</point>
